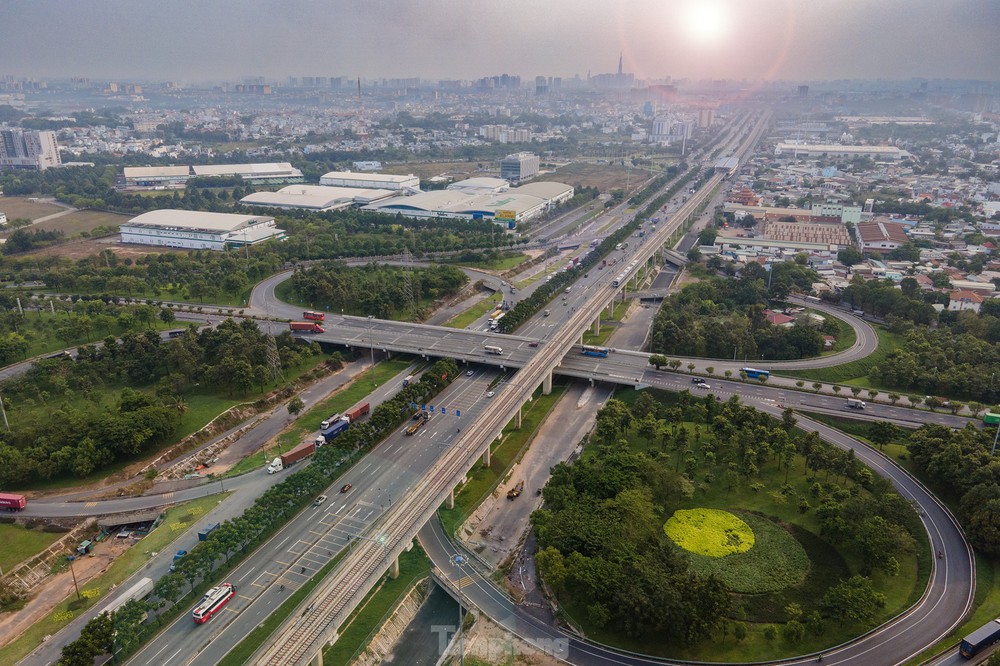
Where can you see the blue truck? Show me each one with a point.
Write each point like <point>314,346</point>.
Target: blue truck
<point>203,535</point>
<point>985,635</point>
<point>334,431</point>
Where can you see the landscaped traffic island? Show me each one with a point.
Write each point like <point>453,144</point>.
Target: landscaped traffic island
<point>708,531</point>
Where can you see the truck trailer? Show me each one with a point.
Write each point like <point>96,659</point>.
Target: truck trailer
<point>335,429</point>
<point>303,450</point>
<point>305,327</point>
<point>356,412</point>
<point>985,635</point>
<point>12,501</point>
<point>203,535</point>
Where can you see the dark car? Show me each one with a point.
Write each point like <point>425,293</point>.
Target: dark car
<point>346,487</point>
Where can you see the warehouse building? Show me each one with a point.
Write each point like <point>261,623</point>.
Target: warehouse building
<point>157,177</point>
<point>175,177</point>
<point>196,230</point>
<point>836,150</point>
<point>316,197</point>
<point>375,181</point>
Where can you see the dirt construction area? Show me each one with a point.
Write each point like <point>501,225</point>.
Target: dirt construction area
<point>493,645</point>
<point>20,207</point>
<point>59,587</point>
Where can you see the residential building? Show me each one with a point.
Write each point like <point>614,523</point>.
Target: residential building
<point>28,149</point>
<point>879,236</point>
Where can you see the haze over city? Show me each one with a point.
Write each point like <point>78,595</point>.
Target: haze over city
<point>192,41</point>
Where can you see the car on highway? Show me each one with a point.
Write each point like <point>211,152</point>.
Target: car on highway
<point>469,373</point>
<point>346,487</point>
<point>697,380</point>
<point>703,385</point>
<point>490,394</point>
<point>533,343</point>
<point>319,500</point>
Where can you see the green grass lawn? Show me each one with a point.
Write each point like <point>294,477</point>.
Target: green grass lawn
<point>19,544</point>
<point>855,373</point>
<point>483,480</point>
<point>618,311</point>
<point>500,264</point>
<point>178,519</point>
<point>471,314</point>
<point>846,337</point>
<point>357,631</point>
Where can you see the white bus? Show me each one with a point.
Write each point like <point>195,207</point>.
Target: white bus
<point>493,349</point>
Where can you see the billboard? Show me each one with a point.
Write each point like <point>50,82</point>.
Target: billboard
<point>505,214</point>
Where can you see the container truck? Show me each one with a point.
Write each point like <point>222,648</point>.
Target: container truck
<point>854,403</point>
<point>983,636</point>
<point>355,413</point>
<point>140,590</point>
<point>421,419</point>
<point>12,501</point>
<point>407,380</point>
<point>303,450</point>
<point>203,535</point>
<point>305,327</point>
<point>332,432</point>
<point>275,466</point>
<point>326,423</point>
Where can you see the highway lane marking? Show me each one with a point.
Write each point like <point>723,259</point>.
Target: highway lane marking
<point>240,579</point>
<point>340,509</point>
<point>263,574</point>
<point>291,549</point>
<point>284,540</point>
<point>284,564</point>
<point>158,653</point>
<point>173,655</point>
<point>90,505</point>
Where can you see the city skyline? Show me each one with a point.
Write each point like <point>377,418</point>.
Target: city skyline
<point>712,39</point>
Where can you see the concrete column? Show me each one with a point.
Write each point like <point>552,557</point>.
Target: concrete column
<point>317,659</point>
<point>547,384</point>
<point>450,502</point>
<point>597,325</point>
<point>611,308</point>
<point>394,569</point>
<point>517,417</point>
<point>486,453</point>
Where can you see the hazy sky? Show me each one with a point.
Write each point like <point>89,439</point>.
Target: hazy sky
<point>200,40</point>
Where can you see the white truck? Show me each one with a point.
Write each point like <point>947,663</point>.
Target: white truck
<point>275,466</point>
<point>854,403</point>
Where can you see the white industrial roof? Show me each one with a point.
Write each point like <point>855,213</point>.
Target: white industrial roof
<point>456,201</point>
<point>317,197</point>
<point>545,189</point>
<point>261,169</point>
<point>480,184</point>
<point>191,220</point>
<point>368,175</point>
<point>157,172</point>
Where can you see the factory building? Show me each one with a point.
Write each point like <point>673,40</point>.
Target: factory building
<point>836,150</point>
<point>196,230</point>
<point>316,197</point>
<point>367,180</point>
<point>175,177</point>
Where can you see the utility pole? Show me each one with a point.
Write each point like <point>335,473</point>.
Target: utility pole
<point>71,558</point>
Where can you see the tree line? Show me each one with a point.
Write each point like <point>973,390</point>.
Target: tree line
<point>63,426</point>
<point>379,290</point>
<point>124,631</point>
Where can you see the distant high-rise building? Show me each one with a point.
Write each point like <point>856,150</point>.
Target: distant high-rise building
<point>519,166</point>
<point>541,85</point>
<point>706,117</point>
<point>28,149</point>
<point>803,92</point>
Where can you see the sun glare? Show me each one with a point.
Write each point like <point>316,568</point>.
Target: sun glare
<point>706,23</point>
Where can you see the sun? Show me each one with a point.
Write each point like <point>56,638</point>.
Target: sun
<point>706,23</point>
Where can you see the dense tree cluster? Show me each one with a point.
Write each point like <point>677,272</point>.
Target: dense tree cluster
<point>26,240</point>
<point>378,290</point>
<point>601,546</point>
<point>961,461</point>
<point>78,437</point>
<point>237,537</point>
<point>718,318</point>
<point>884,298</point>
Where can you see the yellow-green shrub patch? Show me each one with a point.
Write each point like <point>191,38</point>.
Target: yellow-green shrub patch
<point>709,532</point>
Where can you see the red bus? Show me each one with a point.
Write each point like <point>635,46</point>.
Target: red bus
<point>313,315</point>
<point>214,600</point>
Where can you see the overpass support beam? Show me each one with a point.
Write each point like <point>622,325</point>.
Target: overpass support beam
<point>611,309</point>
<point>546,385</point>
<point>597,325</point>
<point>394,569</point>
<point>317,660</point>
<point>450,502</point>
<point>487,454</point>
<point>517,417</point>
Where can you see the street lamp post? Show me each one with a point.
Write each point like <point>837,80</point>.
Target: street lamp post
<point>459,561</point>
<point>371,343</point>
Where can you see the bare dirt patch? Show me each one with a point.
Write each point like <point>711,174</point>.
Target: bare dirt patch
<point>80,249</point>
<point>17,207</point>
<point>605,177</point>
<point>493,644</point>
<point>454,170</point>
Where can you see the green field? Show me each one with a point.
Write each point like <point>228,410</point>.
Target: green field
<point>855,373</point>
<point>82,222</point>
<point>19,544</point>
<point>500,264</point>
<point>471,314</point>
<point>20,207</point>
<point>617,312</point>
<point>178,520</point>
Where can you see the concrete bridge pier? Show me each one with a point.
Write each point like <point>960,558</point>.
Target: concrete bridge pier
<point>597,325</point>
<point>394,568</point>
<point>546,385</point>
<point>487,454</point>
<point>517,418</point>
<point>317,659</point>
<point>450,502</point>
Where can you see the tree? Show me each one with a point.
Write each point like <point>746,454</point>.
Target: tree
<point>872,394</point>
<point>855,391</point>
<point>853,600</point>
<point>837,389</point>
<point>817,386</point>
<point>167,315</point>
<point>739,631</point>
<point>295,406</point>
<point>850,256</point>
<point>658,361</point>
<point>710,370</point>
<point>883,432</point>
